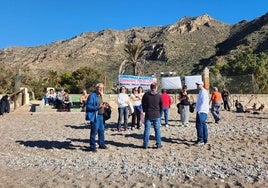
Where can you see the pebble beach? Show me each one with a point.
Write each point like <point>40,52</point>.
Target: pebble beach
<point>49,149</point>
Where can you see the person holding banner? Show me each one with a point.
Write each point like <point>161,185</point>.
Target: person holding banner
<point>123,102</point>
<point>184,105</point>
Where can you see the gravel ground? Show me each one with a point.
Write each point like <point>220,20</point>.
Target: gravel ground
<point>48,149</point>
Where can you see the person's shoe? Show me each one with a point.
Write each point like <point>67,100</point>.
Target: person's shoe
<point>144,147</point>
<point>159,146</point>
<point>199,143</point>
<point>166,125</point>
<point>103,147</point>
<point>93,149</point>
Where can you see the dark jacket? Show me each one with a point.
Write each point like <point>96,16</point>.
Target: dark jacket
<point>4,105</point>
<point>152,105</point>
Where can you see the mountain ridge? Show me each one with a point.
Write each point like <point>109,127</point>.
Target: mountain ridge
<point>185,47</point>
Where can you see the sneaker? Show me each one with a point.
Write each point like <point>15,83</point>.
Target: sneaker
<point>47,104</point>
<point>199,143</point>
<point>103,147</point>
<point>159,146</point>
<point>166,125</point>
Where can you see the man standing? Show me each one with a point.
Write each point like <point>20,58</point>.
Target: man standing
<point>202,109</point>
<point>225,97</point>
<point>94,113</point>
<point>152,106</point>
<point>216,104</point>
<point>166,103</point>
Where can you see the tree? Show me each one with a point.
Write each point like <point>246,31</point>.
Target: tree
<point>246,63</point>
<point>134,51</point>
<point>53,79</point>
<point>82,78</point>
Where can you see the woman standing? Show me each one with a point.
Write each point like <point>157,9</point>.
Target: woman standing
<point>184,105</point>
<point>123,102</point>
<point>136,116</point>
<point>141,93</point>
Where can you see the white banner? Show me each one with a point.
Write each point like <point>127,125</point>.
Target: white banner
<point>171,82</point>
<point>130,81</point>
<point>191,80</point>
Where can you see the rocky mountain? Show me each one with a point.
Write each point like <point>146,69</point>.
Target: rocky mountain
<point>184,47</point>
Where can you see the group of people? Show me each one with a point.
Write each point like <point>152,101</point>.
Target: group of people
<point>152,105</point>
<point>148,109</point>
<point>125,102</point>
<point>62,100</point>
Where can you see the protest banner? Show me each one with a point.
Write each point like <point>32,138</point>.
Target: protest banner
<point>130,81</point>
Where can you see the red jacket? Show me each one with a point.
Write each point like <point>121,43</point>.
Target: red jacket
<point>166,100</point>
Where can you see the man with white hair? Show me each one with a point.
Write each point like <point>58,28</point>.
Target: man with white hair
<point>202,109</point>
<point>94,113</point>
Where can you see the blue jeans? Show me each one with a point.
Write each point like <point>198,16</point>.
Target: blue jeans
<point>122,112</point>
<point>50,100</point>
<point>201,127</point>
<point>215,110</point>
<point>156,124</point>
<point>165,112</point>
<point>97,127</point>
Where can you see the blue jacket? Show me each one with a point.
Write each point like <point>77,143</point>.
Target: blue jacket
<point>92,107</point>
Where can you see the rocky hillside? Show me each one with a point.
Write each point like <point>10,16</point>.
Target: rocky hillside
<point>184,47</point>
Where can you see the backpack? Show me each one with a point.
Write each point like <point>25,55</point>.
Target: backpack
<point>107,112</point>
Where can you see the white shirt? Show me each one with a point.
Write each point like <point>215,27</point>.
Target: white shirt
<point>202,103</point>
<point>135,102</point>
<point>122,100</point>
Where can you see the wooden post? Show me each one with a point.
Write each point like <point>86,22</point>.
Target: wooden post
<point>206,78</point>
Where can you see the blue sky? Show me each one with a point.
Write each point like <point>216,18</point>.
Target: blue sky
<point>37,22</point>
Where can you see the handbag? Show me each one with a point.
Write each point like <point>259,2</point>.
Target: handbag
<point>192,107</point>
<point>178,108</point>
<point>130,108</point>
<point>107,112</point>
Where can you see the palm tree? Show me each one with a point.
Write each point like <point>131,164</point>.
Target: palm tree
<point>134,51</point>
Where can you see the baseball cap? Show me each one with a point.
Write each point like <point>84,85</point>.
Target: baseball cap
<point>199,83</point>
